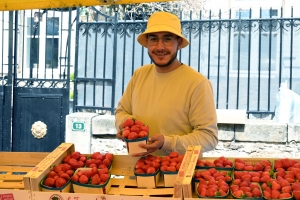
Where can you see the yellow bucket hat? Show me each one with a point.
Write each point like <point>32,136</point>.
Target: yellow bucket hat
<point>160,22</point>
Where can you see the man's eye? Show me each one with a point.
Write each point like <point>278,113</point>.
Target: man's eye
<point>153,39</point>
<point>168,39</point>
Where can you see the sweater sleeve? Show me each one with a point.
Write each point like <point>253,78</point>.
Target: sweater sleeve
<point>124,108</point>
<point>203,119</point>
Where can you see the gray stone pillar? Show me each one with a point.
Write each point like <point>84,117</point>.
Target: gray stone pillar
<point>79,130</point>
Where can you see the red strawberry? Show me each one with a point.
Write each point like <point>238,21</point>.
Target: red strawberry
<point>238,193</point>
<point>258,167</point>
<point>239,166</point>
<point>276,186</point>
<point>267,195</point>
<point>284,183</point>
<point>286,163</point>
<point>277,164</point>
<point>296,186</point>
<point>248,168</point>
<point>238,160</point>
<point>286,189</point>
<point>256,192</point>
<point>255,179</point>
<point>285,196</point>
<point>265,179</point>
<point>202,192</point>
<point>221,193</point>
<point>128,122</point>
<point>275,194</point>
<point>227,162</point>
<point>211,192</point>
<point>296,194</point>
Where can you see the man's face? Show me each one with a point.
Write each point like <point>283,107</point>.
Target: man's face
<point>163,47</point>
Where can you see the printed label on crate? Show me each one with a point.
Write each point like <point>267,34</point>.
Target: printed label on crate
<point>7,197</point>
<point>55,197</point>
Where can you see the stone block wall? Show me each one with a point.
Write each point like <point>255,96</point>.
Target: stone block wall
<point>255,138</point>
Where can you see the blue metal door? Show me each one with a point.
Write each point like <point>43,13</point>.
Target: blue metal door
<point>35,84</point>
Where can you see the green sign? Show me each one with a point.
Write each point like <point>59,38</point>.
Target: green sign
<point>78,126</point>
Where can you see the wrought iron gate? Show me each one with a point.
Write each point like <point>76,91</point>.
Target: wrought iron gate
<point>37,71</point>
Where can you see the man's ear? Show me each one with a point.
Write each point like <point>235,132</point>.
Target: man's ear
<point>179,43</point>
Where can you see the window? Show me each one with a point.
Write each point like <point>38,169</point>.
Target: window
<point>42,43</point>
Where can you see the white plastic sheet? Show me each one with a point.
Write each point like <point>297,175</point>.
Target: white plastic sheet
<point>287,106</point>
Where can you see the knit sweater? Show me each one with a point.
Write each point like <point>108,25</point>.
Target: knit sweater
<point>179,105</point>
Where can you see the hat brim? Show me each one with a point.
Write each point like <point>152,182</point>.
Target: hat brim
<point>142,38</point>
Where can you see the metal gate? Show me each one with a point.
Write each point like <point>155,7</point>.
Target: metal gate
<point>35,79</point>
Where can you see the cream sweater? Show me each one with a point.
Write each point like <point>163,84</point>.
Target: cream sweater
<point>179,105</point>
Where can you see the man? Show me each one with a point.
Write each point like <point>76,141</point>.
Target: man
<point>173,99</point>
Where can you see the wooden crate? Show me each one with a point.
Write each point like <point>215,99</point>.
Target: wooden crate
<point>183,187</point>
<point>15,165</point>
<point>34,176</point>
<point>123,185</point>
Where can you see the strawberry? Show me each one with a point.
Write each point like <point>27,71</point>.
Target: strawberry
<point>212,171</point>
<point>258,167</point>
<point>236,181</point>
<point>128,122</point>
<point>275,194</point>
<point>238,193</point>
<point>211,192</point>
<point>221,193</point>
<point>256,193</point>
<point>277,164</point>
<point>286,189</point>
<point>267,195</point>
<point>227,162</point>
<point>245,189</point>
<point>202,192</point>
<point>255,179</point>
<point>285,196</point>
<point>284,183</point>
<point>239,166</point>
<point>234,188</point>
<point>248,168</point>
<point>248,194</point>
<point>209,164</point>
<point>296,194</point>
<point>286,163</point>
<point>276,186</point>
<point>296,186</point>
<point>268,189</point>
<point>138,122</point>
<point>265,179</point>
<point>238,160</point>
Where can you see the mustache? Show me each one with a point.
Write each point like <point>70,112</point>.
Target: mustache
<point>160,52</point>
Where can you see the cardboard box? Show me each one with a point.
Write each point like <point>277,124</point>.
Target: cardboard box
<point>89,188</point>
<point>147,180</point>
<point>169,178</point>
<point>133,145</point>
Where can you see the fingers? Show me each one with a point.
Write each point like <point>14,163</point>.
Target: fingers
<point>119,135</point>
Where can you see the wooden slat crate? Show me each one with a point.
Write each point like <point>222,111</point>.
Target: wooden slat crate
<point>15,165</point>
<point>34,176</point>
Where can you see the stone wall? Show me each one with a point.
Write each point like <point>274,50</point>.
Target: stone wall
<point>256,138</point>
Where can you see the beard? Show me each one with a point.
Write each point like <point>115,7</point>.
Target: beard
<point>173,57</point>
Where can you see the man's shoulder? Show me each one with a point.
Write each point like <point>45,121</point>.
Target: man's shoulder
<point>144,68</point>
<point>194,73</point>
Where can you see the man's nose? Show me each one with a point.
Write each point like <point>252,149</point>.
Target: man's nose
<point>160,44</point>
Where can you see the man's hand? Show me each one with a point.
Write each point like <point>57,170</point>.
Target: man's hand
<point>119,133</point>
<point>154,143</point>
